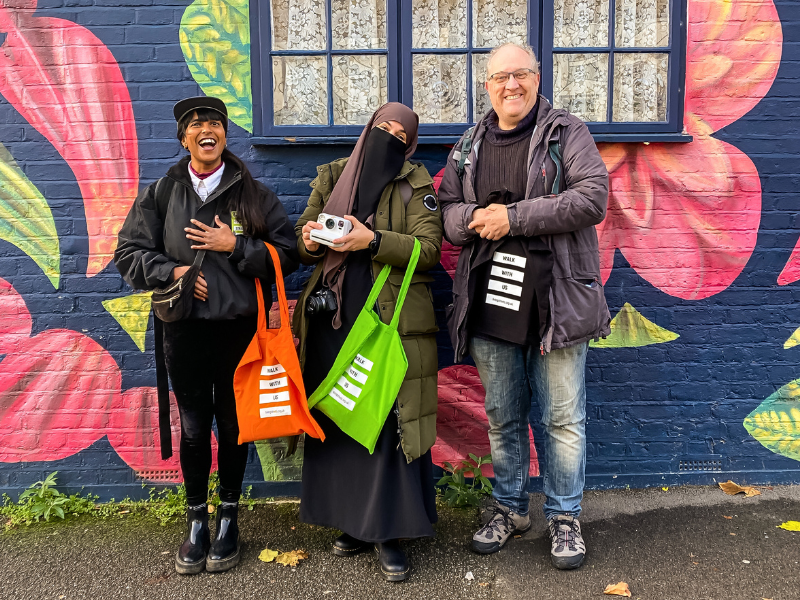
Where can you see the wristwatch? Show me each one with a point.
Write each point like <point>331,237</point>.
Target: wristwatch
<point>375,243</point>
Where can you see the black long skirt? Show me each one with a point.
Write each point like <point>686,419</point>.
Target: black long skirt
<point>372,497</point>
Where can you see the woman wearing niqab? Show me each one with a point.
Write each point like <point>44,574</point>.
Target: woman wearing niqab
<point>374,499</point>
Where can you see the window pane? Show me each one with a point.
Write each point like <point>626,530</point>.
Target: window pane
<point>440,86</point>
<point>358,24</point>
<point>580,23</point>
<point>640,87</point>
<point>498,22</point>
<point>480,98</point>
<point>642,23</point>
<point>359,87</point>
<point>580,84</point>
<point>300,93</point>
<point>439,23</point>
<point>298,24</point>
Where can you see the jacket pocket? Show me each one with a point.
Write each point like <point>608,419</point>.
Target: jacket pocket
<point>417,316</point>
<point>579,310</point>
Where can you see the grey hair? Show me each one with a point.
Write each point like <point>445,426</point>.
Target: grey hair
<point>524,47</point>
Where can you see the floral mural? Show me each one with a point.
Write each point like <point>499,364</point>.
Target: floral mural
<point>684,216</point>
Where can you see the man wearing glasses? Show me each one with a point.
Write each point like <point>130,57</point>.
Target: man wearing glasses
<point>522,193</point>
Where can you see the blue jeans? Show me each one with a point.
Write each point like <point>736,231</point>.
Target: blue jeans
<point>511,376</point>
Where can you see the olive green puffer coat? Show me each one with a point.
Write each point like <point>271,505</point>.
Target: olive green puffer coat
<point>399,225</point>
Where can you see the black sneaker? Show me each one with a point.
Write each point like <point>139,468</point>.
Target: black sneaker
<point>567,548</point>
<point>502,524</point>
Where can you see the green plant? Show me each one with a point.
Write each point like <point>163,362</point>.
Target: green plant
<point>41,502</point>
<point>460,493</point>
<point>167,505</point>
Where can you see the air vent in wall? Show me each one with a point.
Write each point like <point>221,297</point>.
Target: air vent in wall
<point>160,475</point>
<point>700,463</point>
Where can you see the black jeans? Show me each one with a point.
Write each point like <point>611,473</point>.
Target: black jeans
<point>201,357</point>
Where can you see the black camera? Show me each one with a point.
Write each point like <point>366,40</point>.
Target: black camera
<point>321,301</point>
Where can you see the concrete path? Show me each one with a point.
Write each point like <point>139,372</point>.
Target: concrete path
<point>674,544</point>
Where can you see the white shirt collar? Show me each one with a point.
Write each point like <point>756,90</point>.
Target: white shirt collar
<point>205,187</point>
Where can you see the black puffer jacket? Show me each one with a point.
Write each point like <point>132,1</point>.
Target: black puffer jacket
<point>150,247</point>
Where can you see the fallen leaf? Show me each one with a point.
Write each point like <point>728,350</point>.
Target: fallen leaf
<point>694,563</point>
<point>747,562</point>
<point>692,555</point>
<point>731,488</point>
<point>290,559</point>
<point>211,509</point>
<point>733,534</point>
<point>268,555</point>
<point>790,526</point>
<point>664,489</point>
<point>726,517</point>
<point>469,576</point>
<point>620,589</point>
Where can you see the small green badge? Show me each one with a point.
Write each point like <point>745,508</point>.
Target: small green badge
<point>236,227</point>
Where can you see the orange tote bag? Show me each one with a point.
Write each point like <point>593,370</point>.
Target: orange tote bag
<point>270,396</point>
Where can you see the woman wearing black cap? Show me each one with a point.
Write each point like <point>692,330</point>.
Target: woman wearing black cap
<point>207,201</point>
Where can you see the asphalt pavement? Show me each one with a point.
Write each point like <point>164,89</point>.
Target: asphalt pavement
<point>692,543</point>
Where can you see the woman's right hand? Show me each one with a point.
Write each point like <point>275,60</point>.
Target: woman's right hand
<point>307,228</point>
<point>200,285</point>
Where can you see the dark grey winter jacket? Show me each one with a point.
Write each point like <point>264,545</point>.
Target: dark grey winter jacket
<point>578,310</point>
<point>151,245</point>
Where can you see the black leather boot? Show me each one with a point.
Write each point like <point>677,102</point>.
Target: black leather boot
<point>191,556</point>
<point>224,553</point>
<point>347,545</point>
<point>392,559</point>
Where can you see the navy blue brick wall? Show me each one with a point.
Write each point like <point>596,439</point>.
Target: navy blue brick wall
<point>648,407</point>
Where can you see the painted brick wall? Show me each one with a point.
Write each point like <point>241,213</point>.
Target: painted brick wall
<point>690,245</point>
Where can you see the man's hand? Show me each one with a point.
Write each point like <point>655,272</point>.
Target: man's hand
<point>218,239</point>
<point>359,237</point>
<point>200,285</point>
<point>312,247</point>
<point>491,222</point>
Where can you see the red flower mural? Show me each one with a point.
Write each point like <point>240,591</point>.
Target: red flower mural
<point>686,216</point>
<point>66,83</point>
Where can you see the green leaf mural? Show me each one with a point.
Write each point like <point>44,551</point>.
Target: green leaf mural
<point>215,39</point>
<point>776,422</point>
<point>25,218</point>
<point>793,340</point>
<point>132,313</point>
<point>630,329</point>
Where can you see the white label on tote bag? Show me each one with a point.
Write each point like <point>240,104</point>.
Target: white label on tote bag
<point>276,411</point>
<point>277,397</point>
<point>362,362</point>
<point>512,274</point>
<point>502,302</point>
<point>267,370</point>
<point>506,288</point>
<point>510,259</point>
<point>357,375</point>
<point>274,384</point>
<point>348,387</point>
<point>342,399</point>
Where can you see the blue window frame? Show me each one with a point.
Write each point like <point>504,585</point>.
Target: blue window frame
<point>441,76</point>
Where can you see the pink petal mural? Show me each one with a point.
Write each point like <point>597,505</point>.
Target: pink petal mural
<point>461,423</point>
<point>133,433</point>
<point>686,216</point>
<point>55,394</point>
<point>67,85</point>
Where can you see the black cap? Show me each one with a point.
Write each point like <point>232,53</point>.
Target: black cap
<point>187,105</point>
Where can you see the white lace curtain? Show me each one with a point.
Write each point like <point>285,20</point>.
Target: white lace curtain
<point>580,80</point>
<point>300,95</point>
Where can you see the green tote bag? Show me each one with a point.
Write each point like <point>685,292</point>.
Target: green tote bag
<point>366,376</point>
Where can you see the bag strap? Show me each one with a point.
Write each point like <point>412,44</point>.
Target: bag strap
<point>466,148</point>
<point>163,194</point>
<point>555,154</point>
<point>162,386</point>
<point>282,302</point>
<point>401,297</point>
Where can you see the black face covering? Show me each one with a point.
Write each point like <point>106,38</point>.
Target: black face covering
<point>384,156</point>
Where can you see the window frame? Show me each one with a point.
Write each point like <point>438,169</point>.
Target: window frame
<point>399,71</point>
<point>676,74</point>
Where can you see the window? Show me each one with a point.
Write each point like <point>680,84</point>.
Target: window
<point>321,67</point>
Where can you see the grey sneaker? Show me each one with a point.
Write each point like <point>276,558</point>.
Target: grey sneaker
<point>567,548</point>
<point>501,525</point>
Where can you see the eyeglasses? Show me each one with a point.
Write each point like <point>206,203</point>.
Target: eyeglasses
<point>502,77</point>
